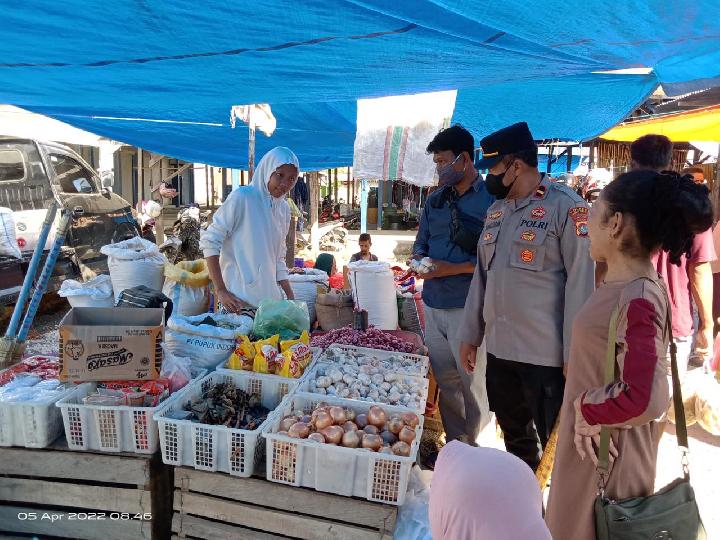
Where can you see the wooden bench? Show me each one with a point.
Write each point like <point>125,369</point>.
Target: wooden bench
<point>220,506</point>
<point>68,494</point>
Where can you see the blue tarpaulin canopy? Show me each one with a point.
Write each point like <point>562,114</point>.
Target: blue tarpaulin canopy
<point>91,64</point>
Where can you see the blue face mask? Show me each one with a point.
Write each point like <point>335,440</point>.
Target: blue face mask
<point>447,174</point>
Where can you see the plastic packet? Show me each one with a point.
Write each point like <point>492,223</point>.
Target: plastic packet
<point>176,369</point>
<point>266,352</point>
<point>304,338</point>
<point>243,355</point>
<point>288,318</point>
<point>294,361</point>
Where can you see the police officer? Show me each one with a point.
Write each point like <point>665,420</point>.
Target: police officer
<point>534,272</point>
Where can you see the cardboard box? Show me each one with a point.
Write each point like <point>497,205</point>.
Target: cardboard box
<point>111,344</point>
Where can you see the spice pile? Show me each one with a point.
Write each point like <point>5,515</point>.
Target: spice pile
<point>222,404</point>
<point>375,431</point>
<point>371,338</point>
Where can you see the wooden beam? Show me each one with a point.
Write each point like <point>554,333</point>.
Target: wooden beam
<point>300,500</point>
<point>75,465</point>
<point>64,527</point>
<point>268,520</point>
<point>110,499</point>
<point>140,175</point>
<point>201,528</point>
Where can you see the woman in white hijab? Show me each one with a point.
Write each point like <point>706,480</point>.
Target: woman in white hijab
<point>245,245</point>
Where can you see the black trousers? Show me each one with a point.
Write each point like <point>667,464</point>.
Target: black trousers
<point>526,400</point>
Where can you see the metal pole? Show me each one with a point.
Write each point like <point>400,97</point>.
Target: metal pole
<point>251,145</point>
<point>45,276</point>
<point>31,272</point>
<point>363,205</point>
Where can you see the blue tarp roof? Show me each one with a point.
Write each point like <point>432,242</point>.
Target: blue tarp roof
<point>189,62</point>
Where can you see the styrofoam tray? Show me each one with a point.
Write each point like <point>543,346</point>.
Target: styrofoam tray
<point>219,448</point>
<point>32,424</point>
<point>352,472</point>
<point>419,365</point>
<point>306,385</point>
<point>118,428</point>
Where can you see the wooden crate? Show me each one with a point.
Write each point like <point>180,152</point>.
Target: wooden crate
<point>86,495</point>
<point>219,506</point>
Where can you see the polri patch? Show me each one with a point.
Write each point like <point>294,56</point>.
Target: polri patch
<point>578,214</point>
<point>528,236</point>
<point>538,213</point>
<point>581,228</point>
<point>527,256</point>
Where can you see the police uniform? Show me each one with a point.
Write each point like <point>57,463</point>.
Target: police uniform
<point>533,275</point>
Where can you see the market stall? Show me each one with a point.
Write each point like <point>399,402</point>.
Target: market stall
<point>236,424</point>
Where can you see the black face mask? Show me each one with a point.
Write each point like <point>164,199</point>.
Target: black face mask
<point>495,186</point>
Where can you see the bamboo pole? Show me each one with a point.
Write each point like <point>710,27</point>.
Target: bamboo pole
<point>547,461</point>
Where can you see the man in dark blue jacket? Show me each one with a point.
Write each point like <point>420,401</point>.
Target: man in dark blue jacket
<point>450,226</point>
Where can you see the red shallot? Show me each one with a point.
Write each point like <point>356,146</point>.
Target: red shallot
<point>371,338</point>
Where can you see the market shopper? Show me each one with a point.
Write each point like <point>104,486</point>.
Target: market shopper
<point>692,279</point>
<point>484,494</point>
<point>450,225</point>
<point>697,173</point>
<point>245,244</point>
<point>638,213</point>
<point>365,243</point>
<point>533,275</point>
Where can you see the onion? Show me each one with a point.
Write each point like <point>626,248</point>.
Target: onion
<point>338,415</point>
<point>376,416</point>
<point>323,420</point>
<point>350,415</point>
<point>286,422</point>
<point>395,424</point>
<point>306,418</point>
<point>317,411</point>
<point>317,437</point>
<point>401,449</point>
<point>372,442</point>
<point>388,438</point>
<point>361,420</point>
<point>349,426</point>
<point>351,439</point>
<point>371,430</point>
<point>299,430</point>
<point>410,419</point>
<point>333,434</point>
<point>386,450</point>
<point>407,434</point>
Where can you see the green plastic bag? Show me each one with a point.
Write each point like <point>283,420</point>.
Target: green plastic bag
<point>288,318</point>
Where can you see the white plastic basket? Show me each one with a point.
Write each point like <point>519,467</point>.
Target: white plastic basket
<point>34,424</point>
<point>111,428</point>
<point>420,364</point>
<point>352,472</point>
<point>306,385</point>
<point>220,448</point>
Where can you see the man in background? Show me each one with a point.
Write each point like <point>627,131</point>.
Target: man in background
<point>697,173</point>
<point>365,243</point>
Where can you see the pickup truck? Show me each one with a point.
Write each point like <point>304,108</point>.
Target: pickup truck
<point>33,174</point>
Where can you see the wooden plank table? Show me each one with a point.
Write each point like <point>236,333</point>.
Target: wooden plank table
<point>67,494</point>
<point>215,505</point>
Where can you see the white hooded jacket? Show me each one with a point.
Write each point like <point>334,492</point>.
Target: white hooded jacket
<point>248,231</point>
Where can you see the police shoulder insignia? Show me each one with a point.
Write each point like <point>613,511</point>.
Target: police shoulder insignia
<point>538,213</point>
<point>540,192</point>
<point>528,236</point>
<point>488,236</point>
<point>579,213</point>
<point>495,215</point>
<point>527,256</point>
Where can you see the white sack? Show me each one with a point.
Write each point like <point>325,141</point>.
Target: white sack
<point>134,262</point>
